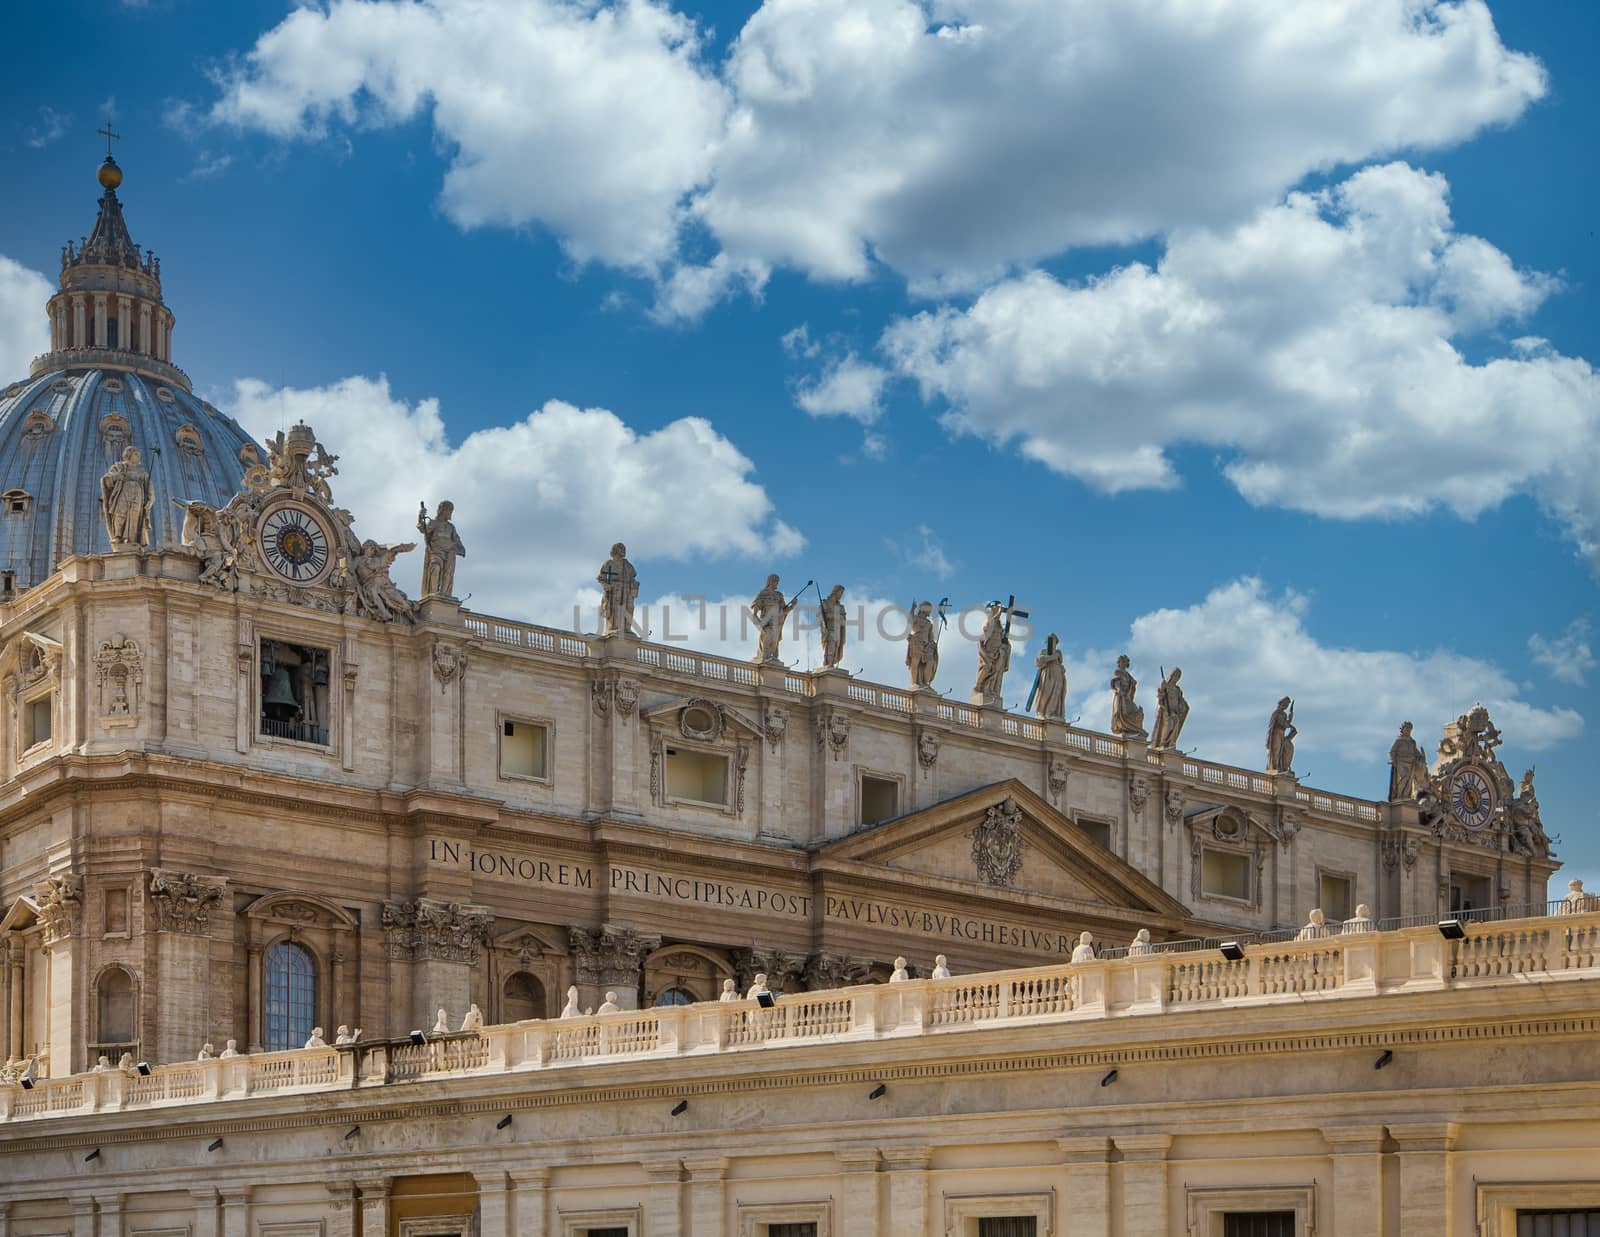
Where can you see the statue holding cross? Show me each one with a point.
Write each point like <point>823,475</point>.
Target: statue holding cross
<point>994,653</point>
<point>619,589</point>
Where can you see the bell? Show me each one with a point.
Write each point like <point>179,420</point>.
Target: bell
<point>279,700</point>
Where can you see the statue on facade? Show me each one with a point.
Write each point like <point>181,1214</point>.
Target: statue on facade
<point>1083,951</point>
<point>1527,829</point>
<point>922,646</point>
<point>203,536</point>
<point>1049,695</point>
<point>830,617</point>
<point>941,968</point>
<point>609,1005</point>
<point>571,1008</point>
<point>1408,766</point>
<point>1140,945</point>
<point>1172,710</point>
<point>473,1020</point>
<point>730,991</point>
<point>900,974</point>
<point>316,1040</point>
<point>1316,927</point>
<point>1358,923</point>
<point>297,461</point>
<point>1281,732</point>
<point>619,589</point>
<point>441,548</point>
<point>125,499</point>
<point>1127,718</point>
<point>377,595</point>
<point>994,656</point>
<point>770,611</point>
<point>758,986</point>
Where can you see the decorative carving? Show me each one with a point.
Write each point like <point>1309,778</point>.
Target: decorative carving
<point>783,970</point>
<point>610,956</point>
<point>1470,798</point>
<point>830,618</point>
<point>830,970</point>
<point>770,611</point>
<point>1172,710</point>
<point>619,589</point>
<point>377,596</point>
<point>922,646</point>
<point>775,724</point>
<point>927,747</point>
<point>741,764</point>
<point>40,660</point>
<point>997,843</point>
<point>1173,805</point>
<point>1127,718</point>
<point>448,662</point>
<point>1527,829</point>
<point>1289,824</point>
<point>1056,778</point>
<point>60,900</point>
<point>184,901</point>
<point>1281,732</point>
<point>125,499</point>
<point>430,929</point>
<point>119,675</point>
<point>833,732</point>
<point>296,461</point>
<point>1401,848</point>
<point>655,775</point>
<point>625,694</point>
<point>209,538</point>
<point>1138,793</point>
<point>701,720</point>
<point>600,696</point>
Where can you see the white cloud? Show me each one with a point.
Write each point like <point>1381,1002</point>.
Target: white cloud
<point>207,165</point>
<point>52,125</point>
<point>1313,344</point>
<point>24,329</point>
<point>950,140</point>
<point>1243,647</point>
<point>848,387</point>
<point>1567,657</point>
<point>538,502</point>
<point>592,119</point>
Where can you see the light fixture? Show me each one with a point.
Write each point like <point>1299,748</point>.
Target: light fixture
<point>1452,930</point>
<point>27,1078</point>
<point>93,1155</point>
<point>354,1130</point>
<point>1110,1078</point>
<point>503,1122</point>
<point>681,1107</point>
<point>418,1038</point>
<point>766,1000</point>
<point>144,1069</point>
<point>216,1145</point>
<point>1231,950</point>
<point>878,1092</point>
<point>1384,1058</point>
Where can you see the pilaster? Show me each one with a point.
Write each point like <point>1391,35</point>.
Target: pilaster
<point>1144,1182</point>
<point>706,1205</point>
<point>1425,1196</point>
<point>529,1201</point>
<point>372,1194</point>
<point>858,1166</point>
<point>1088,1192</point>
<point>443,940</point>
<point>908,1190</point>
<point>110,1209</point>
<point>83,1217</point>
<point>235,1212</point>
<point>205,1213</point>
<point>495,1200</point>
<point>833,774</point>
<point>1357,1198</point>
<point>665,1212</point>
<point>183,903</point>
<point>609,960</point>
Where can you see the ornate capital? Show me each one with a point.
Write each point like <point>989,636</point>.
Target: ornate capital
<point>432,930</point>
<point>60,901</point>
<point>184,901</point>
<point>610,956</point>
<point>783,969</point>
<point>830,970</point>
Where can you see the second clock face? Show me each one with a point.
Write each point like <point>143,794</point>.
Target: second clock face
<point>295,544</point>
<point>1471,798</point>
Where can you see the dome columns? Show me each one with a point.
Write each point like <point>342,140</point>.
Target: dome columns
<point>113,321</point>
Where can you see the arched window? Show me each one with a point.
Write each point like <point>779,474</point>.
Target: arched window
<point>115,1007</point>
<point>675,996</point>
<point>522,997</point>
<point>291,997</point>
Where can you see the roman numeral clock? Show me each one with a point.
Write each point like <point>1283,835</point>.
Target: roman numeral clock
<point>295,543</point>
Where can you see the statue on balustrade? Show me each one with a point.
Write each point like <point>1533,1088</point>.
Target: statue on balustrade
<point>994,656</point>
<point>830,617</point>
<point>1049,695</point>
<point>1281,732</point>
<point>1172,710</point>
<point>441,548</point>
<point>125,498</point>
<point>1127,718</point>
<point>922,646</point>
<point>1408,767</point>
<point>619,589</point>
<point>770,611</point>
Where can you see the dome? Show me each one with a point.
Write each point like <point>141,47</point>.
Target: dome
<point>61,430</point>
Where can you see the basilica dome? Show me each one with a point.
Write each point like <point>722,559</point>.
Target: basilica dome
<point>107,383</point>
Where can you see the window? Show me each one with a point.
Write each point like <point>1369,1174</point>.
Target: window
<point>697,776</point>
<point>115,905</point>
<point>522,997</point>
<point>1559,1223</point>
<point>522,749</point>
<point>605,1232</point>
<point>291,997</point>
<point>1335,895</point>
<point>805,1228</point>
<point>8,583</point>
<point>1469,893</point>
<point>36,721</point>
<point>675,996</point>
<point>1099,831</point>
<point>1252,1211</point>
<point>1007,1226</point>
<point>880,799</point>
<point>998,1215</point>
<point>294,692</point>
<point>17,502</point>
<point>1224,875</point>
<point>1258,1224</point>
<point>114,1005</point>
<point>785,1220</point>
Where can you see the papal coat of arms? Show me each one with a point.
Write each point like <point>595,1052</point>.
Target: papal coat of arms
<point>997,843</point>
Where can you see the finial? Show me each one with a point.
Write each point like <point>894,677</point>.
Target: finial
<point>110,175</point>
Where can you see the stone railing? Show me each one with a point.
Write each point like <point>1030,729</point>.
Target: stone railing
<point>517,635</point>
<point>114,358</point>
<point>1554,948</point>
<point>1205,772</point>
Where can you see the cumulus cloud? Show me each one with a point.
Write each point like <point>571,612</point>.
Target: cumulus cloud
<point>848,386</point>
<point>24,329</point>
<point>1567,658</point>
<point>948,139</point>
<point>1243,647</point>
<point>592,119</point>
<point>538,502</point>
<point>1314,345</point>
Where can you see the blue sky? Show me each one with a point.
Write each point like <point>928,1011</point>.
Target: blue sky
<point>1259,343</point>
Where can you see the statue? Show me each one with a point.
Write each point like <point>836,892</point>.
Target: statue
<point>830,616</point>
<point>205,536</point>
<point>1316,927</point>
<point>441,1023</point>
<point>619,589</point>
<point>316,1040</point>
<point>441,548</point>
<point>1172,710</point>
<point>229,1050</point>
<point>297,461</point>
<point>730,991</point>
<point>378,596</point>
<point>1408,766</point>
<point>609,1005</point>
<point>922,647</point>
<point>1281,731</point>
<point>570,1009</point>
<point>899,975</point>
<point>941,969</point>
<point>1050,682</point>
<point>125,499</point>
<point>1527,829</point>
<point>474,1019</point>
<point>1083,951</point>
<point>758,986</point>
<point>206,1053</point>
<point>1140,945</point>
<point>770,611</point>
<point>994,656</point>
<point>1360,922</point>
<point>1578,902</point>
<point>1127,718</point>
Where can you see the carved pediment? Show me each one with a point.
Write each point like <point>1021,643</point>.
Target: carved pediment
<point>701,720</point>
<point>304,909</point>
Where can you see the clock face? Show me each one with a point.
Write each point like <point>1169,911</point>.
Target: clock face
<point>1471,798</point>
<point>295,544</point>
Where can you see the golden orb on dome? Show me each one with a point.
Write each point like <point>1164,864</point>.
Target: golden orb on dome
<point>110,174</point>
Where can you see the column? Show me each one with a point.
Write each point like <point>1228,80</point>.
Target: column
<point>529,1201</point>
<point>110,1207</point>
<point>706,1205</point>
<point>664,1213</point>
<point>1144,1182</point>
<point>859,1195</point>
<point>610,960</point>
<point>205,1213</point>
<point>1357,1197</point>
<point>1086,1203</point>
<point>14,1044</point>
<point>124,324</point>
<point>79,325</point>
<point>1424,1155</point>
<point>341,1210</point>
<point>183,903</point>
<point>99,320</point>
<point>82,1217</point>
<point>908,1190</point>
<point>373,1199</point>
<point>235,1212</point>
<point>144,328</point>
<point>255,1032</point>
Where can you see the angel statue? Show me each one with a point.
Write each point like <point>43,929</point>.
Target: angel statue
<point>206,535</point>
<point>377,596</point>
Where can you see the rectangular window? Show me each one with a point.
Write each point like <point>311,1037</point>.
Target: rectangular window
<point>1469,893</point>
<point>295,700</point>
<point>116,911</point>
<point>697,776</point>
<point>1258,1224</point>
<point>36,721</point>
<point>605,1232</point>
<point>880,799</point>
<point>1007,1226</point>
<point>8,583</point>
<point>804,1228</point>
<point>1584,1223</point>
<point>1225,875</point>
<point>522,749</point>
<point>1335,895</point>
<point>1099,831</point>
